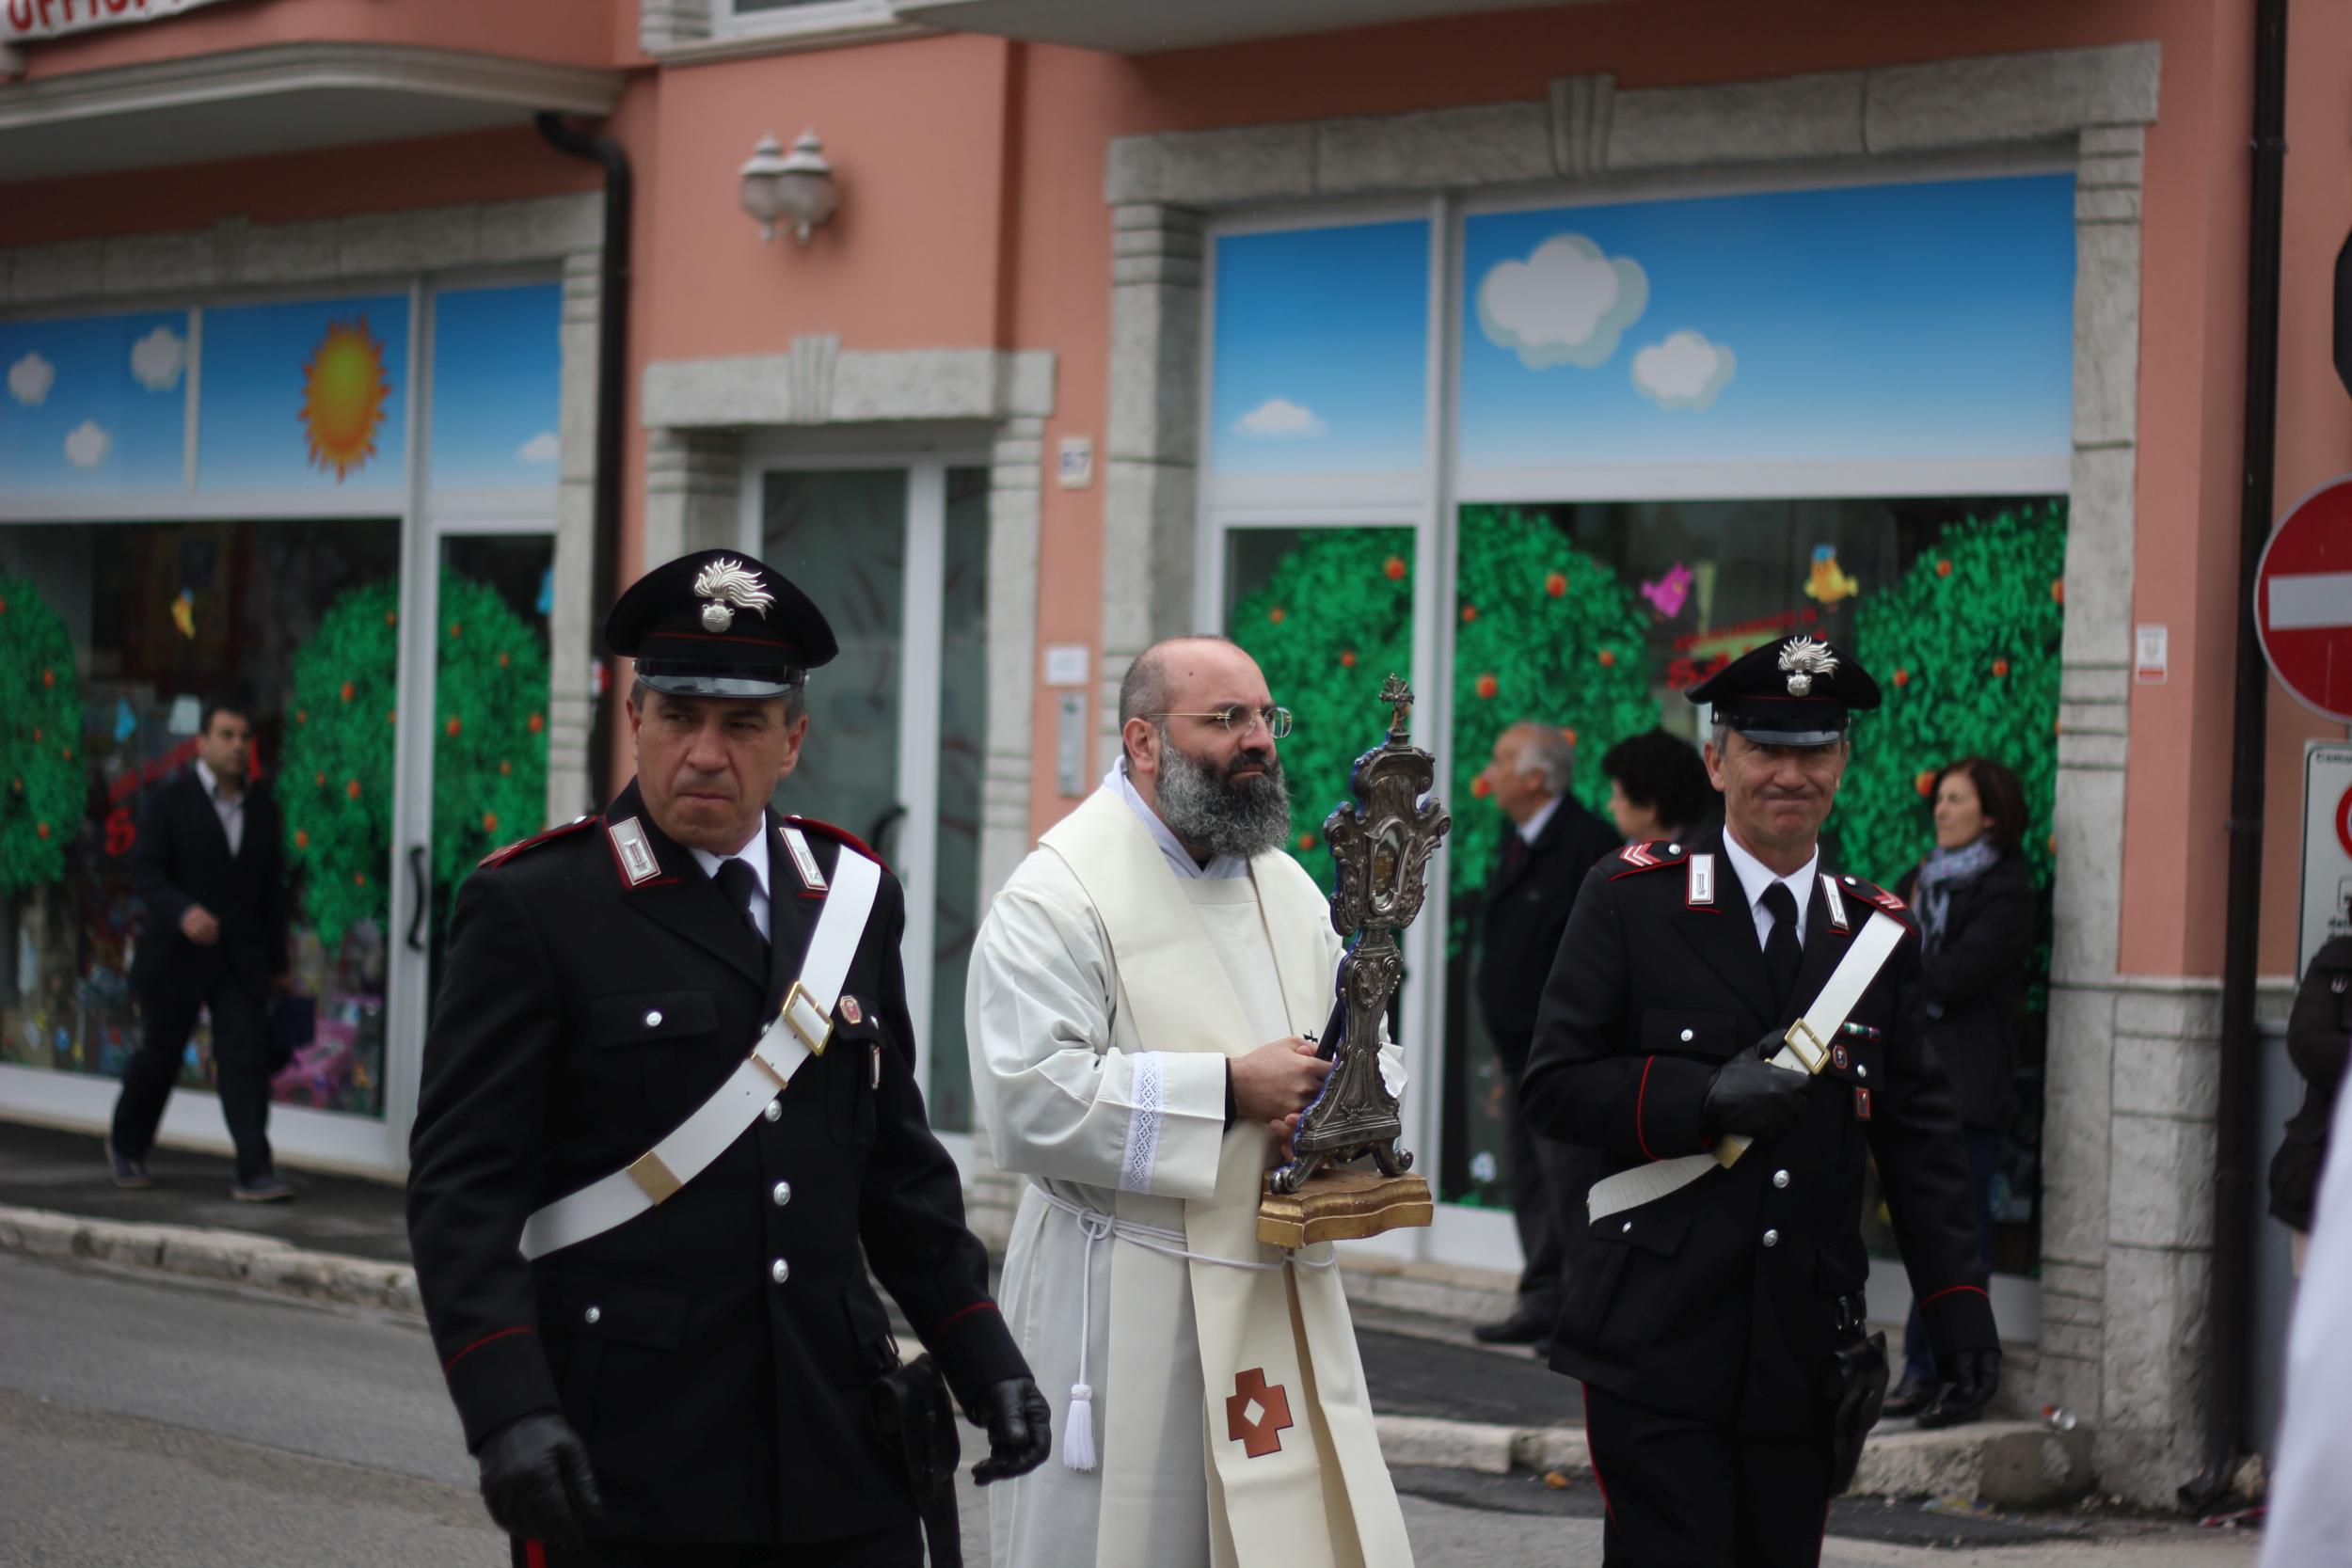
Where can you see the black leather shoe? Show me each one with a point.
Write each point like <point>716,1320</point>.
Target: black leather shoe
<point>1522,1327</point>
<point>128,1173</point>
<point>1909,1397</point>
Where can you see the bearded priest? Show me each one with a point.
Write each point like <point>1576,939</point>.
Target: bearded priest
<point>1137,1011</point>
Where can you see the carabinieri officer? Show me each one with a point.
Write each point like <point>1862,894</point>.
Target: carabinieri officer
<point>640,1238</point>
<point>1714,1310</point>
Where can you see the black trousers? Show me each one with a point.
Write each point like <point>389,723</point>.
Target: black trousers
<point>240,1049</point>
<point>899,1546</point>
<point>1686,1493</point>
<point>1547,1182</point>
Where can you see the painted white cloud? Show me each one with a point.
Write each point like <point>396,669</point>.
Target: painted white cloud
<point>1684,371</point>
<point>29,380</point>
<point>1280,420</point>
<point>157,359</point>
<point>542,448</point>
<point>1568,304</point>
<point>86,445</point>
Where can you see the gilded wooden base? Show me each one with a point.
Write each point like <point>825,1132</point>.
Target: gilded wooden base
<point>1342,1206</point>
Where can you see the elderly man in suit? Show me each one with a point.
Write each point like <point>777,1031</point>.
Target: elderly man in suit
<point>212,872</point>
<point>1552,843</point>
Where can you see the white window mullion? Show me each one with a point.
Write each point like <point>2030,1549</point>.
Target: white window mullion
<point>919,728</point>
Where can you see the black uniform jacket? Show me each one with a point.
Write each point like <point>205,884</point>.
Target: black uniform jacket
<point>182,858</point>
<point>1526,910</point>
<point>1974,987</point>
<point>2319,1036</point>
<point>1718,1301</point>
<point>580,1020</point>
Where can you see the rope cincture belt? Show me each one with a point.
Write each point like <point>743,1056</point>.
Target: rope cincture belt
<point>798,1032</point>
<point>1077,1451</point>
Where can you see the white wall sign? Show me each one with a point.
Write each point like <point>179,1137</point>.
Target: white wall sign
<point>2151,653</point>
<point>1073,462</point>
<point>2326,845</point>
<point>1066,663</point>
<point>21,20</point>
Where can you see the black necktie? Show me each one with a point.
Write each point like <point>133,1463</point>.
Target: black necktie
<point>1514,853</point>
<point>1783,952</point>
<point>741,885</point>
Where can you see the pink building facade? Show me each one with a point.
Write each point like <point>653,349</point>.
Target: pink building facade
<point>1545,356</point>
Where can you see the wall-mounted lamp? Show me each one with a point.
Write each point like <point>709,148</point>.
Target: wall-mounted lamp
<point>796,190</point>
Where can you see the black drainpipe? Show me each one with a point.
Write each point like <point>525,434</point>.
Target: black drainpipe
<point>612,384</point>
<point>2234,1220</point>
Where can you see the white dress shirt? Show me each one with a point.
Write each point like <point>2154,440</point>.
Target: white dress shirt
<point>755,855</point>
<point>1755,877</point>
<point>1533,825</point>
<point>230,808</point>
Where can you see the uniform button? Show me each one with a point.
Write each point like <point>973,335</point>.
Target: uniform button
<point>774,1111</point>
<point>1861,1071</point>
<point>779,1271</point>
<point>1673,848</point>
<point>1780,1179</point>
<point>783,1194</point>
<point>1772,1238</point>
<point>1685,1035</point>
<point>653,1019</point>
<point>591,1314</point>
<point>1628,1224</point>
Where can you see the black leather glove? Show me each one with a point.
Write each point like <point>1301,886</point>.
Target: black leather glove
<point>1750,1096</point>
<point>1020,1429</point>
<point>1971,1377</point>
<point>537,1480</point>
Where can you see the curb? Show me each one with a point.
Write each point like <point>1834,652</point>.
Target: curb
<point>2007,1463</point>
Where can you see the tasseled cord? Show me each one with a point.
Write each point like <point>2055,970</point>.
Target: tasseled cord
<point>1077,1428</point>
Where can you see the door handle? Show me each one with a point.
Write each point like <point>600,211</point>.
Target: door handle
<point>417,887</point>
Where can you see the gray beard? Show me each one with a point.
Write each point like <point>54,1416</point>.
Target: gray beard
<point>1225,817</point>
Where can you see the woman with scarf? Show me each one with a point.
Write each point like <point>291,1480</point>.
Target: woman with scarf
<point>1975,904</point>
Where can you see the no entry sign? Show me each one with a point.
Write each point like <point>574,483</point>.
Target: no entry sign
<point>2303,601</point>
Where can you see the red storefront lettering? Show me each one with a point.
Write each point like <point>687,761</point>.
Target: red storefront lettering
<point>122,831</point>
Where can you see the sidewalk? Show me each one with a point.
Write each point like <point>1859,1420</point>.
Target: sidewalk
<point>1494,1421</point>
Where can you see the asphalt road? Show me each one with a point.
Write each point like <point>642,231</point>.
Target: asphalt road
<point>169,1424</point>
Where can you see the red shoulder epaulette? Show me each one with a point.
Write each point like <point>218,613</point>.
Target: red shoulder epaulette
<point>840,835</point>
<point>1646,856</point>
<point>499,857</point>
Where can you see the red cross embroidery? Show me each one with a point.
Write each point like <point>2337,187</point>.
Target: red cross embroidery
<point>1256,1415</point>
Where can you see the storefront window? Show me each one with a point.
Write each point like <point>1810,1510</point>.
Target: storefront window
<point>155,617</point>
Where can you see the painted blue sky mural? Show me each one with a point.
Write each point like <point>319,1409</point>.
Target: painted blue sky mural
<point>309,396</point>
<point>96,405</point>
<point>1321,349</point>
<point>497,386</point>
<point>1881,323</point>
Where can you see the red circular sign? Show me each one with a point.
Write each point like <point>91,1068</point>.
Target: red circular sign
<point>2343,821</point>
<point>2303,601</point>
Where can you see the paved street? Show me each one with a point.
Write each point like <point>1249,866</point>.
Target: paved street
<point>179,1425</point>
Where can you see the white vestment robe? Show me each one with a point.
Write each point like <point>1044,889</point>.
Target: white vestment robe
<point>1114,1104</point>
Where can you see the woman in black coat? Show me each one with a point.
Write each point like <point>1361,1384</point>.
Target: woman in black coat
<point>2319,1036</point>
<point>1975,904</point>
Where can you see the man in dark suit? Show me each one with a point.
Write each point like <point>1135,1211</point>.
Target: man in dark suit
<point>1552,842</point>
<point>1714,1309</point>
<point>210,867</point>
<point>644,1259</point>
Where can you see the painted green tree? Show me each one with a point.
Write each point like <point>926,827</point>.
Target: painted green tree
<point>41,810</point>
<point>1965,647</point>
<point>1543,631</point>
<point>490,746</point>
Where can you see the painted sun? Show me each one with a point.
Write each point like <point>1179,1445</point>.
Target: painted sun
<point>343,393</point>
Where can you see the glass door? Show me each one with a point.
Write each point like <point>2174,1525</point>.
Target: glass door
<point>897,559</point>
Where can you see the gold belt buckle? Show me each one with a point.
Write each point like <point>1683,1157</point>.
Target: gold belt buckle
<point>1807,1045</point>
<point>805,1019</point>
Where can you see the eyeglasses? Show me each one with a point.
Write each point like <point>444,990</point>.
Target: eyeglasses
<point>1237,719</point>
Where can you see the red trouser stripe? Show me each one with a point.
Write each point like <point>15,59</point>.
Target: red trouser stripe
<point>1592,1458</point>
<point>1949,1289</point>
<point>479,1343</point>
<point>534,1554</point>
